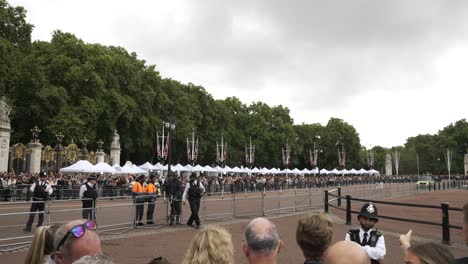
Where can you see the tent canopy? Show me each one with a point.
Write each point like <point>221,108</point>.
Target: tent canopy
<point>81,166</point>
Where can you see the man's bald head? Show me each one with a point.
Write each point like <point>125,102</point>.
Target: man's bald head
<point>261,237</point>
<point>344,252</point>
<point>75,248</point>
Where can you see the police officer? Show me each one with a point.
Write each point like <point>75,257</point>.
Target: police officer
<point>174,191</point>
<point>138,193</point>
<point>371,240</point>
<point>88,196</point>
<point>41,191</point>
<point>151,198</point>
<point>193,190</point>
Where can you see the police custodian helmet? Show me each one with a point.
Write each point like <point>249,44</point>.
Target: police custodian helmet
<point>369,210</point>
<point>43,174</point>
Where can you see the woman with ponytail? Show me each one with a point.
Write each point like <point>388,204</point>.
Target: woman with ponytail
<point>42,245</point>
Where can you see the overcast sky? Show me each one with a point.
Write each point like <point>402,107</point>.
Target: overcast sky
<point>392,69</point>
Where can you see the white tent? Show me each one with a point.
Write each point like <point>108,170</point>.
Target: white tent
<point>218,169</point>
<point>206,168</point>
<point>314,170</point>
<point>324,171</point>
<point>126,169</point>
<point>81,166</point>
<point>227,169</point>
<point>158,166</point>
<point>374,172</point>
<point>287,171</point>
<point>353,171</point>
<point>255,170</point>
<point>138,170</point>
<point>189,167</point>
<point>274,171</point>
<point>362,171</point>
<point>345,171</point>
<point>146,167</point>
<point>296,171</point>
<point>335,171</point>
<point>305,171</point>
<point>179,167</point>
<point>103,167</point>
<point>264,170</point>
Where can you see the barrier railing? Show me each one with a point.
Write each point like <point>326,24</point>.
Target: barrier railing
<point>116,215</point>
<point>443,207</point>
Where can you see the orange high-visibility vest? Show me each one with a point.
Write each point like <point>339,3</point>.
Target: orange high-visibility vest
<point>138,188</point>
<point>150,188</point>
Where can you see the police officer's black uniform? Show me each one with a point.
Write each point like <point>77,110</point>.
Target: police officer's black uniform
<point>371,238</point>
<point>173,190</point>
<point>90,194</point>
<point>194,190</point>
<point>40,196</point>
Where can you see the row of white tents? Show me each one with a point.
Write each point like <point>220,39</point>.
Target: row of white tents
<point>84,166</point>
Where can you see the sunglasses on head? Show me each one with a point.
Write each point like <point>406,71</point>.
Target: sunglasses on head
<point>78,231</point>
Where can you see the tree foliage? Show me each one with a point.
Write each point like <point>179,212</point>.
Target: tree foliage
<point>89,90</point>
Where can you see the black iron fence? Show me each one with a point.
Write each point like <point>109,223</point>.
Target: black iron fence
<point>443,208</point>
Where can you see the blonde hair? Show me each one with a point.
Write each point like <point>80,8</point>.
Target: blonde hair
<point>41,245</point>
<point>211,245</point>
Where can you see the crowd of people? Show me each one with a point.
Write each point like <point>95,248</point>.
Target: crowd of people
<point>78,242</point>
<point>13,186</point>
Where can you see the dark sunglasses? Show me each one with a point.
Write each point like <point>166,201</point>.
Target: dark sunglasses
<point>78,231</point>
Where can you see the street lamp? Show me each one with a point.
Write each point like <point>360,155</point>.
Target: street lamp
<point>58,148</point>
<point>170,125</point>
<point>84,150</point>
<point>314,156</point>
<point>249,154</point>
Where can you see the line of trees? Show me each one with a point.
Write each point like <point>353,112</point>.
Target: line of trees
<point>89,90</point>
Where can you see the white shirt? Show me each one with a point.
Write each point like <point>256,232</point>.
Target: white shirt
<point>187,186</point>
<point>47,189</point>
<point>83,188</point>
<point>377,252</point>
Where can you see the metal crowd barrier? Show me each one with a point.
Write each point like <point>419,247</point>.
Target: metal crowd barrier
<point>117,214</point>
<point>400,190</point>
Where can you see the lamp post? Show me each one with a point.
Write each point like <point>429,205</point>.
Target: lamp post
<point>58,148</point>
<point>170,125</point>
<point>438,167</point>
<point>221,152</point>
<point>314,156</point>
<point>84,150</point>
<point>370,158</point>
<point>192,149</point>
<point>249,154</point>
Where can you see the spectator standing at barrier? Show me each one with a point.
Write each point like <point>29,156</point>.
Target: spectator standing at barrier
<point>76,239</point>
<point>174,192</point>
<point>138,193</point>
<point>88,195</point>
<point>193,191</point>
<point>151,197</point>
<point>372,241</point>
<point>41,191</point>
<point>313,235</point>
<point>261,241</point>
